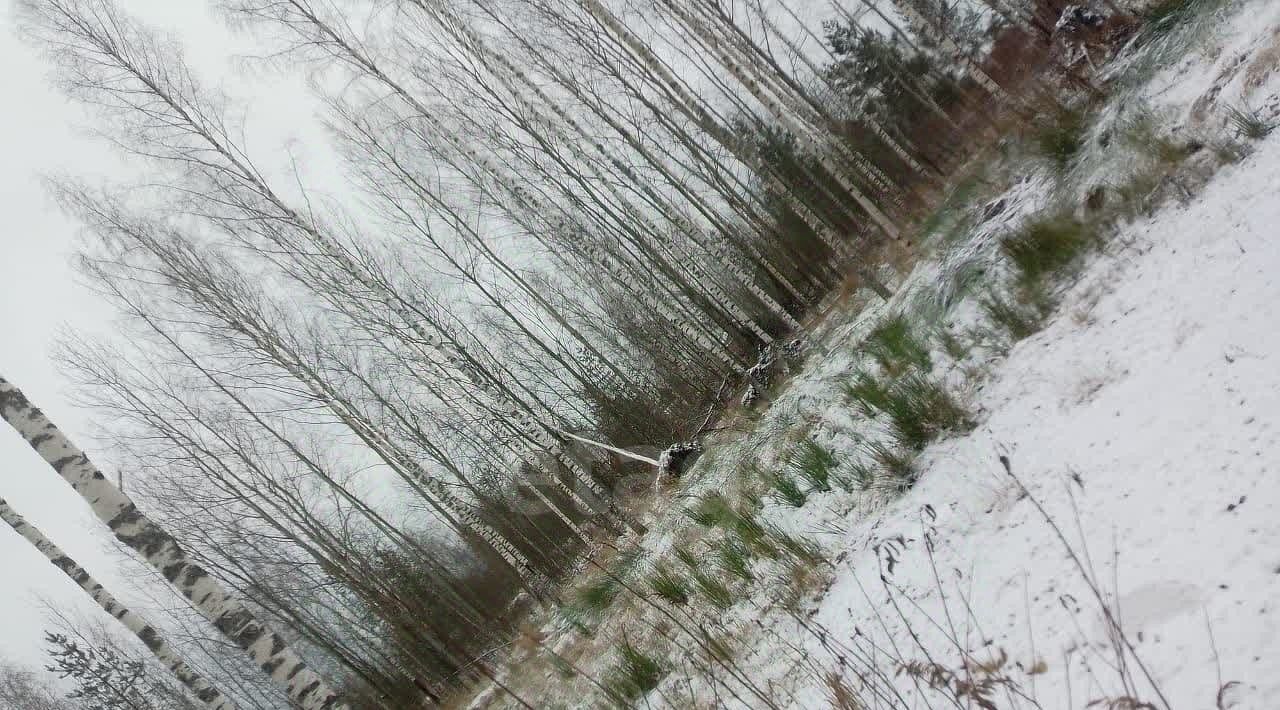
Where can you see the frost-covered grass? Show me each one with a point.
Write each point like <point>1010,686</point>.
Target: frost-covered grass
<point>1251,123</point>
<point>1168,16</point>
<point>1047,245</point>
<point>815,464</point>
<point>635,673</point>
<point>787,490</point>
<point>712,510</point>
<point>897,346</point>
<point>917,408</point>
<point>1017,318</point>
<point>1061,136</point>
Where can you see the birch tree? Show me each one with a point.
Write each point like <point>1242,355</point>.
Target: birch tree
<point>150,637</point>
<point>159,549</point>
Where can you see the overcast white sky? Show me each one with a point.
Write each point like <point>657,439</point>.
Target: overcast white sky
<point>37,296</point>
<point>41,133</point>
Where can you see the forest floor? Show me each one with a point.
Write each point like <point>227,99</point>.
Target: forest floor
<point>1129,551</point>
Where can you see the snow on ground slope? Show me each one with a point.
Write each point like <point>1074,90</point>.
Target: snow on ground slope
<point>1153,400</point>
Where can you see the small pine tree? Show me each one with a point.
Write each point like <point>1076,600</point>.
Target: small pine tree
<point>107,679</point>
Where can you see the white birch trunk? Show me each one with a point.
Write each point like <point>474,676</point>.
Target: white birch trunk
<point>210,696</point>
<point>227,614</point>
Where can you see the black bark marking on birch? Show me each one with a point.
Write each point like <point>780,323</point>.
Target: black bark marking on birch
<point>172,571</point>
<point>271,665</point>
<point>233,620</point>
<point>65,461</point>
<point>311,688</point>
<point>150,541</point>
<point>127,515</point>
<point>193,575</point>
<point>150,638</point>
<point>12,398</point>
<point>39,439</point>
<point>250,635</point>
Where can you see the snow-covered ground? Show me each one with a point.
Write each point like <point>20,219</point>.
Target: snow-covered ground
<point>1144,418</point>
<point>1153,401</point>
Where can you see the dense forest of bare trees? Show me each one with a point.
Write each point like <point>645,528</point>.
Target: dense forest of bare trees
<point>362,419</point>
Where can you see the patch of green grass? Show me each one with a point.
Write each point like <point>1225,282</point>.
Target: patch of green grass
<point>893,462</point>
<point>787,490</point>
<point>796,548</point>
<point>576,618</point>
<point>635,673</point>
<point>926,309</point>
<point>1061,138</point>
<point>735,559</point>
<point>814,463</point>
<point>868,392</point>
<point>896,347</point>
<point>713,589</point>
<point>951,218</point>
<point>686,556</point>
<point>800,579</point>
<point>597,595</point>
<point>1250,123</point>
<point>739,521</point>
<point>751,533</point>
<point>563,668</point>
<point>1047,246</point>
<point>945,215</point>
<point>669,585</point>
<point>920,410</point>
<point>712,511</point>
<point>1020,320</point>
<point>1141,133</point>
<point>1133,196</point>
<point>1165,17</point>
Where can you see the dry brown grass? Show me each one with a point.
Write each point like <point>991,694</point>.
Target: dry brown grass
<point>840,695</point>
<point>1264,64</point>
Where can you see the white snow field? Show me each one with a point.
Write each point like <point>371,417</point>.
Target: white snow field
<point>1154,405</point>
<point>1144,417</point>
